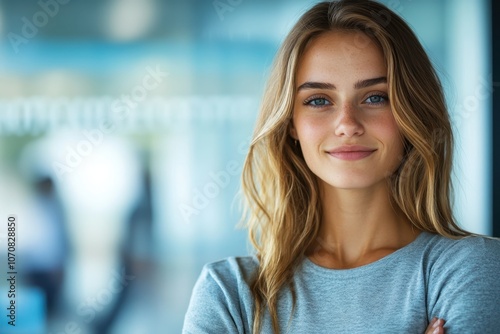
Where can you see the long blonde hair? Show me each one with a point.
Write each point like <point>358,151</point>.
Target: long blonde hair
<point>282,204</point>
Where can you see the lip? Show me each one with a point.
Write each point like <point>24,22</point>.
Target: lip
<point>351,152</point>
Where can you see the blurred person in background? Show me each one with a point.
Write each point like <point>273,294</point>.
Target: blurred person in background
<point>57,247</point>
<point>46,264</point>
<point>46,245</point>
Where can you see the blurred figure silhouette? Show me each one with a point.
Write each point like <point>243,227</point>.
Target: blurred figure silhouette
<point>48,244</point>
<point>50,278</point>
<point>136,254</point>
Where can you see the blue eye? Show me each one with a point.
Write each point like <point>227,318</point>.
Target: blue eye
<point>377,99</point>
<point>317,102</point>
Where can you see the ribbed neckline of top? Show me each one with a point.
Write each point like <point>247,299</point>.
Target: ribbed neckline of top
<point>310,266</point>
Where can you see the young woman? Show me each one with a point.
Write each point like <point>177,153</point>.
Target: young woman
<point>347,186</point>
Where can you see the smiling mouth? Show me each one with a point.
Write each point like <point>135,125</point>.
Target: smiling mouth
<point>351,153</point>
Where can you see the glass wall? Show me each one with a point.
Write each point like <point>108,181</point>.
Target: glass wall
<point>123,129</point>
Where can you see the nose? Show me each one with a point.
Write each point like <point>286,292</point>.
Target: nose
<point>347,122</point>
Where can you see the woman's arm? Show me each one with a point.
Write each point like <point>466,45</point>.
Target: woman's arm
<point>464,286</point>
<point>209,310</point>
<point>221,301</point>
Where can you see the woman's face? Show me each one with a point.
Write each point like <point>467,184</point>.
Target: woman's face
<point>342,116</point>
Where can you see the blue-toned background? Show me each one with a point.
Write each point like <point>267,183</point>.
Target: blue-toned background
<point>123,128</point>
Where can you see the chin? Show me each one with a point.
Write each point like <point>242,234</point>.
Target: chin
<point>351,186</point>
<point>352,182</point>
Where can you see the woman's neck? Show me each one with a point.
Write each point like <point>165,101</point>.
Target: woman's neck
<point>359,226</point>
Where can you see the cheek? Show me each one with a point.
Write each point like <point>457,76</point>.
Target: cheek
<point>390,136</point>
<point>392,130</point>
<point>385,126</point>
<point>310,129</point>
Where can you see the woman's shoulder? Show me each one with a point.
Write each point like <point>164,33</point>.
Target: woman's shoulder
<point>234,268</point>
<point>221,300</point>
<point>470,256</point>
<point>476,246</point>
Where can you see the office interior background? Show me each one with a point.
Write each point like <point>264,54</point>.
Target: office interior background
<point>123,129</point>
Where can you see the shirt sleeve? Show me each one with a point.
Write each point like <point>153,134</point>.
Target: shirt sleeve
<point>214,306</point>
<point>464,286</point>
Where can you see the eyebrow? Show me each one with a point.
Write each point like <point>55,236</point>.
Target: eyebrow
<point>369,82</point>
<point>325,85</point>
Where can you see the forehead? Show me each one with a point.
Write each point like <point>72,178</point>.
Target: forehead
<point>341,56</point>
